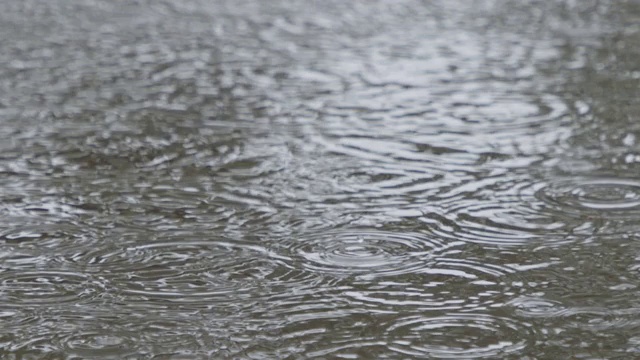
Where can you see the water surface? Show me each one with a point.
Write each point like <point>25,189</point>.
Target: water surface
<point>295,179</point>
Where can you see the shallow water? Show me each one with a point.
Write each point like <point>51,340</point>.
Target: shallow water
<point>290,179</point>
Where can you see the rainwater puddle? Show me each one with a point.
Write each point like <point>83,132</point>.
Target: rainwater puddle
<point>290,179</point>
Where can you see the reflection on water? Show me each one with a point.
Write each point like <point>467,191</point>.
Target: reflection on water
<point>292,179</point>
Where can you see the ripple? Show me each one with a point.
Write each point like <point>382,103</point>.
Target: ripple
<point>169,179</point>
<point>591,317</point>
<point>365,253</point>
<point>613,197</point>
<point>505,209</point>
<point>400,297</point>
<point>47,239</point>
<point>199,273</point>
<point>483,118</point>
<point>380,335</point>
<point>87,339</point>
<point>502,227</point>
<point>533,307</point>
<point>92,344</point>
<point>28,288</point>
<point>456,336</point>
<point>104,331</point>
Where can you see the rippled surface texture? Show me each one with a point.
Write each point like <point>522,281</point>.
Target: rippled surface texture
<point>320,179</point>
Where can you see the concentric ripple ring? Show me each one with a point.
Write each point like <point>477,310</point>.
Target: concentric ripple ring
<point>365,252</point>
<point>616,197</point>
<point>457,336</point>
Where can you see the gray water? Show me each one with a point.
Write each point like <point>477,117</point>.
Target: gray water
<point>320,179</point>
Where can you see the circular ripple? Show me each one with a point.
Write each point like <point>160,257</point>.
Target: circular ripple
<point>502,210</point>
<point>457,336</point>
<point>198,273</point>
<point>100,344</point>
<point>536,307</point>
<point>365,253</point>
<point>617,197</point>
<point>26,288</point>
